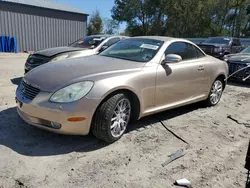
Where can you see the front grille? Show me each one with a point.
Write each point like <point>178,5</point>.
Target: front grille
<point>233,67</point>
<point>28,90</point>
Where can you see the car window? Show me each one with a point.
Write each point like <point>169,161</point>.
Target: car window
<point>112,41</point>
<point>246,50</point>
<point>199,53</point>
<point>239,43</point>
<point>185,50</point>
<point>218,40</point>
<point>134,49</point>
<point>236,42</point>
<point>88,42</point>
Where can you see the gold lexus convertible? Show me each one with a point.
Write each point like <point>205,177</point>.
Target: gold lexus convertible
<point>134,78</point>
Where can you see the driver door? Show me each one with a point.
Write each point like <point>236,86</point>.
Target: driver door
<point>181,82</point>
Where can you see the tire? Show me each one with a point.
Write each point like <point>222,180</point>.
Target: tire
<point>216,90</point>
<point>104,127</point>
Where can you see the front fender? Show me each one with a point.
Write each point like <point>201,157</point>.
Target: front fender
<point>141,83</point>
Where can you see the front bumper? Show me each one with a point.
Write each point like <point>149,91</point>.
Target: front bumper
<point>233,67</point>
<point>54,116</point>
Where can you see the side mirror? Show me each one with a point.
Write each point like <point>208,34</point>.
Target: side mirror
<point>171,58</point>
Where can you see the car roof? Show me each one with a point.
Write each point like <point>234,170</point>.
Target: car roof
<point>223,37</point>
<point>163,38</point>
<point>98,36</point>
<point>107,36</point>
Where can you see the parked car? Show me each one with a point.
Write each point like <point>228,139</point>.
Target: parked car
<point>239,61</point>
<point>220,46</point>
<point>86,46</point>
<point>135,77</point>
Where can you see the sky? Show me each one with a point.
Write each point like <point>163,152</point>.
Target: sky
<point>89,6</point>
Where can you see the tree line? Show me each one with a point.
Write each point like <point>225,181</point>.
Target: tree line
<point>179,18</point>
<point>98,25</point>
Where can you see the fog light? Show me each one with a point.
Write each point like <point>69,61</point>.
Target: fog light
<point>56,125</point>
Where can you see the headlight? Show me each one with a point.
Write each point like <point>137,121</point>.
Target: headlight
<point>218,49</point>
<point>60,57</point>
<point>72,92</point>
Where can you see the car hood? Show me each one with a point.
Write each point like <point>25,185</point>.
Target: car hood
<point>240,57</point>
<point>53,76</point>
<point>58,50</point>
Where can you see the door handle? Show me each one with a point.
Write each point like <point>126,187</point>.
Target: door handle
<point>201,68</point>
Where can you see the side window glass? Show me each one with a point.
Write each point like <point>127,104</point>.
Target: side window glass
<point>235,42</point>
<point>185,50</point>
<point>191,52</point>
<point>198,52</point>
<point>238,42</point>
<point>177,48</point>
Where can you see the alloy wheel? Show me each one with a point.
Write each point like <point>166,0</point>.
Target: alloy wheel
<point>216,92</point>
<point>120,118</point>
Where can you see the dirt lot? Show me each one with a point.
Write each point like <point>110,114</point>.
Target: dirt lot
<point>215,153</point>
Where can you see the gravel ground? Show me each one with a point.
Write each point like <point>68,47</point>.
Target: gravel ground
<point>217,140</point>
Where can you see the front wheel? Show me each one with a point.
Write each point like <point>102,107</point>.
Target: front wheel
<point>215,93</point>
<point>111,118</point>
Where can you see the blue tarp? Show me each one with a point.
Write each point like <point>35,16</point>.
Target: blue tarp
<point>8,44</point>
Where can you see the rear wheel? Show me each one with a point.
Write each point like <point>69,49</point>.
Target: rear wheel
<point>111,118</point>
<point>215,93</point>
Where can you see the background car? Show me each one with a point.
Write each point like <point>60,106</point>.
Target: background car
<point>86,46</point>
<point>135,77</point>
<point>239,61</point>
<point>220,46</point>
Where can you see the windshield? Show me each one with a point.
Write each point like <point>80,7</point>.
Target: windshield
<point>246,50</point>
<point>218,41</point>
<point>88,42</point>
<point>136,49</point>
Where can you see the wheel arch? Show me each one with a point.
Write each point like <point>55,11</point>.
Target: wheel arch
<point>222,77</point>
<point>133,97</point>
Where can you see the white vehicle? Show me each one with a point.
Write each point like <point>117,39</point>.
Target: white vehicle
<point>83,47</point>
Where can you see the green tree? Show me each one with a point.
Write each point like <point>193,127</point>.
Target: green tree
<point>189,18</point>
<point>136,13</point>
<point>111,26</point>
<point>95,25</point>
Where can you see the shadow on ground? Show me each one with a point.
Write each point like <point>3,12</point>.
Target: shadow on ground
<point>239,84</point>
<point>16,81</point>
<point>30,141</point>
